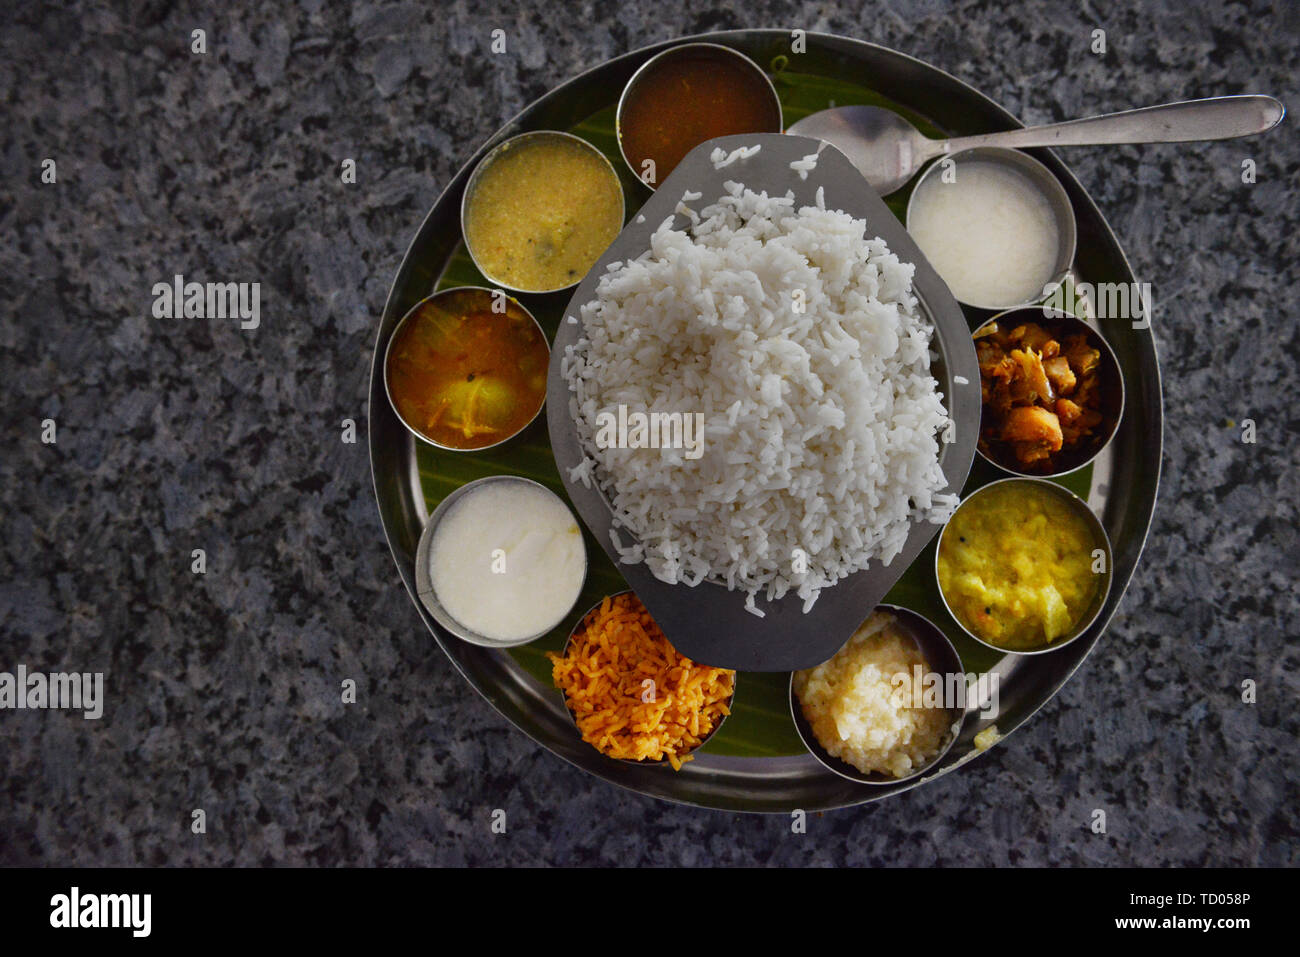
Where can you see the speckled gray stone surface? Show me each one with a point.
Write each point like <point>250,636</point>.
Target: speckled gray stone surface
<point>176,435</point>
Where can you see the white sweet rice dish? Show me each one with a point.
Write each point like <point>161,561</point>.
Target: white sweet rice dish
<point>859,702</point>
<point>800,342</point>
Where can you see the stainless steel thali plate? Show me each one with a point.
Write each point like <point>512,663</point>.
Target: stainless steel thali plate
<point>763,773</point>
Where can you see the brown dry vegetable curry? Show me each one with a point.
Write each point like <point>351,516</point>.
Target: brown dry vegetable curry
<point>1042,395</point>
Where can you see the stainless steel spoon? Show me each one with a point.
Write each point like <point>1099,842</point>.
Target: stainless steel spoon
<point>888,150</point>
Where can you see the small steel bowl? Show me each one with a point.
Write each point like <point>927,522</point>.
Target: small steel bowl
<point>564,698</point>
<point>468,293</point>
<point>1112,384</point>
<point>514,142</point>
<point>1042,177</point>
<point>686,51</point>
<point>935,647</point>
<point>423,572</point>
<point>1098,602</point>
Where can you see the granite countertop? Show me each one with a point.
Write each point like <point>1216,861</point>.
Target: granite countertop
<point>222,689</point>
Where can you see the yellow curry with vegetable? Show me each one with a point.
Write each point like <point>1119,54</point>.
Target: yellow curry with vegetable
<point>1016,565</point>
<point>542,212</point>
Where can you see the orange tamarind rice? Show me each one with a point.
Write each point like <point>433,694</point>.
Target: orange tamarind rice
<point>605,675</point>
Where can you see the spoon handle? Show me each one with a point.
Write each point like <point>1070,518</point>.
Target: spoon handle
<point>1217,118</point>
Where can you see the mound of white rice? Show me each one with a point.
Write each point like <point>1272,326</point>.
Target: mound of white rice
<point>800,342</point>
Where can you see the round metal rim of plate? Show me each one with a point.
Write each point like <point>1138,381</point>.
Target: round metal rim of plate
<point>1125,502</point>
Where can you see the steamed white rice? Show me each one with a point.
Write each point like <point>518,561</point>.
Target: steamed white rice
<point>800,342</point>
